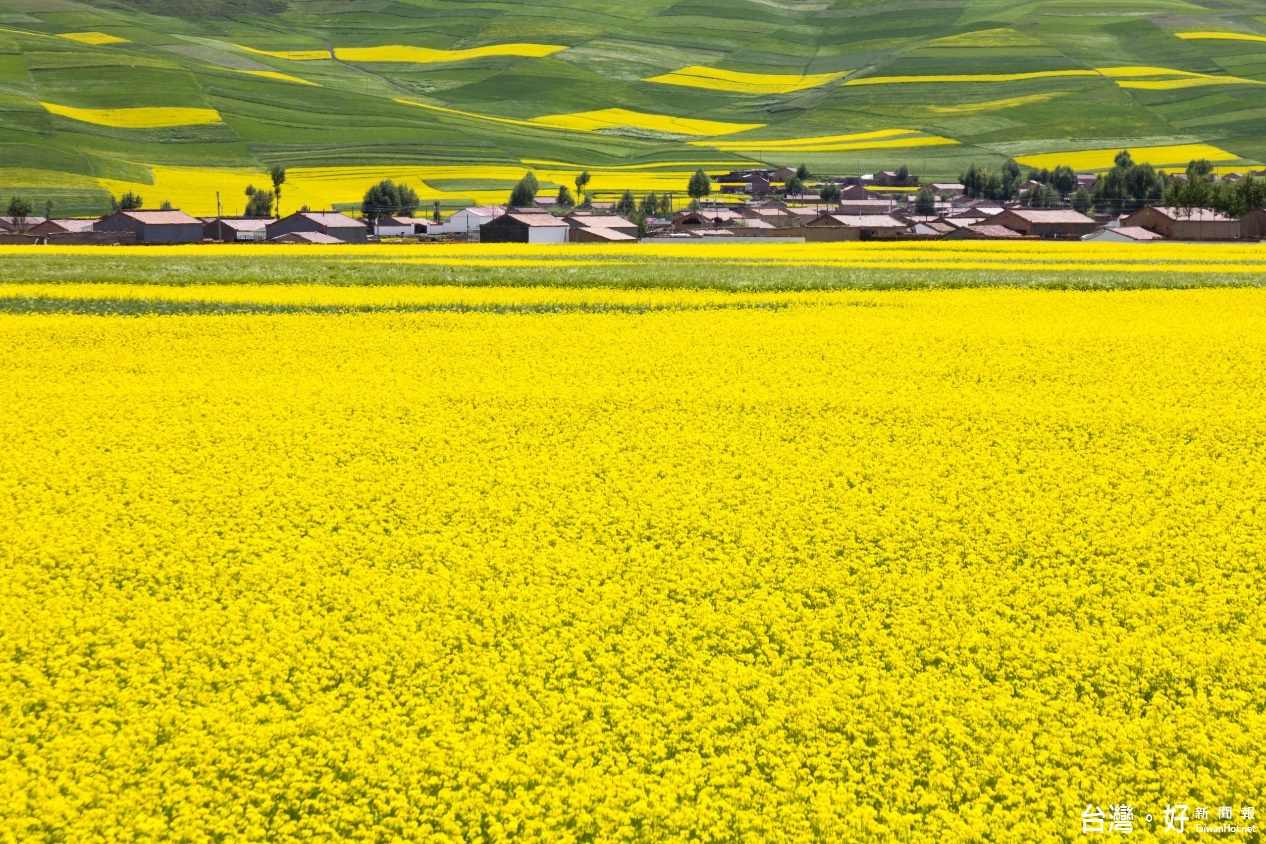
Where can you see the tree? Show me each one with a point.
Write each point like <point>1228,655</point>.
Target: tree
<point>639,219</point>
<point>903,174</point>
<point>700,185</point>
<point>165,205</point>
<point>1081,201</point>
<point>128,202</point>
<point>1200,168</point>
<point>19,209</point>
<point>386,199</point>
<point>650,204</point>
<point>974,181</point>
<point>524,193</point>
<point>924,202</point>
<point>565,199</point>
<point>1012,178</point>
<point>802,173</point>
<point>582,181</point>
<point>1041,196</point>
<point>794,187</point>
<point>259,202</point>
<point>829,193</point>
<point>627,204</point>
<point>48,209</point>
<point>1063,179</point>
<point>1123,159</point>
<point>666,205</point>
<point>278,175</point>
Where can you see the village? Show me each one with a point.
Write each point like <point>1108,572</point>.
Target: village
<point>757,205</point>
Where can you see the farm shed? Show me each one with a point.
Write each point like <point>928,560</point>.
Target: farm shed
<point>392,226</point>
<point>313,238</point>
<point>49,227</point>
<point>706,218</point>
<point>1122,234</point>
<point>1185,223</point>
<point>154,226</point>
<point>524,227</point>
<point>237,229</point>
<point>612,222</point>
<point>24,224</point>
<point>469,220</point>
<point>831,227</point>
<point>593,234</point>
<point>982,232</point>
<point>1044,222</point>
<point>329,223</point>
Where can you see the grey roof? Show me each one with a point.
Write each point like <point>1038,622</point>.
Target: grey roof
<point>331,220</point>
<point>162,218</point>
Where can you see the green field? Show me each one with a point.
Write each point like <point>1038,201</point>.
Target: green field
<point>298,83</point>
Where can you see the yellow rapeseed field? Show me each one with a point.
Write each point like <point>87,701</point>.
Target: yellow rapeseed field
<point>95,38</point>
<point>137,118</point>
<point>1220,36</point>
<point>612,118</point>
<point>409,55</point>
<point>738,82</point>
<point>1174,156</point>
<point>277,75</point>
<point>910,566</point>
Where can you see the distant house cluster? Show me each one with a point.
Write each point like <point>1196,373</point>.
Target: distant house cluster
<point>755,205</point>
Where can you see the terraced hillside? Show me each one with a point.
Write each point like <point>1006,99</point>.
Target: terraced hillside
<point>177,100</point>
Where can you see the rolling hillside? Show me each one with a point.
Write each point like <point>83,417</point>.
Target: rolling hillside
<point>458,97</point>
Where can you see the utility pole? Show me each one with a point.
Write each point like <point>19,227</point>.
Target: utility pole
<point>219,209</point>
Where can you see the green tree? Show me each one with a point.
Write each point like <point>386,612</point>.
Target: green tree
<point>829,193</point>
<point>165,205</point>
<point>259,203</point>
<point>1080,201</point>
<point>524,193</point>
<point>19,209</point>
<point>973,180</point>
<point>565,199</point>
<point>794,187</point>
<point>128,202</point>
<point>666,205</point>
<point>627,204</point>
<point>387,199</point>
<point>650,204</point>
<point>1123,159</point>
<point>1200,168</point>
<point>277,174</point>
<point>582,181</point>
<point>1063,179</point>
<point>700,185</point>
<point>802,173</point>
<point>903,174</point>
<point>1012,179</point>
<point>640,219</point>
<point>925,202</point>
<point>1041,196</point>
<point>48,209</point>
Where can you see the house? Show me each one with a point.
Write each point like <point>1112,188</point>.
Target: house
<point>931,228</point>
<point>868,206</point>
<point>520,225</point>
<point>236,229</point>
<point>1044,222</point>
<point>751,182</point>
<point>153,226</point>
<point>24,224</point>
<point>594,234</point>
<point>468,220</point>
<point>770,214</point>
<point>890,179</point>
<point>782,174</point>
<point>50,227</point>
<point>329,223</point>
<point>612,222</point>
<point>313,238</point>
<point>1087,180</point>
<point>1122,234</point>
<point>1185,223</point>
<point>705,218</point>
<point>392,226</point>
<point>832,227</point>
<point>946,188</point>
<point>982,232</point>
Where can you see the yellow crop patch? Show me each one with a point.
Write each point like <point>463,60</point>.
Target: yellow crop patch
<point>94,38</point>
<point>737,82</point>
<point>684,566</point>
<point>290,55</point>
<point>611,118</point>
<point>996,105</point>
<point>425,55</point>
<point>955,78</point>
<point>1176,84</point>
<point>1004,37</point>
<point>837,143</point>
<point>1177,155</point>
<point>280,77</point>
<point>1220,36</point>
<point>137,118</point>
